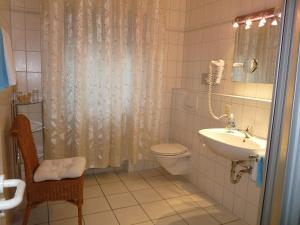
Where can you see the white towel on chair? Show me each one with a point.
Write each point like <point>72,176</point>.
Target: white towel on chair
<point>59,169</point>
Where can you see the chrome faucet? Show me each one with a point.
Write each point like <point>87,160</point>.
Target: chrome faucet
<point>246,132</point>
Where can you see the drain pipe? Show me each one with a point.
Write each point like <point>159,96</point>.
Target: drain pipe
<point>235,176</point>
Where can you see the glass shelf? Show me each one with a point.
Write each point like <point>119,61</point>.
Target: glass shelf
<point>27,103</point>
<point>36,126</point>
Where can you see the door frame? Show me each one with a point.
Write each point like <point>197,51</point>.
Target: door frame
<point>280,203</point>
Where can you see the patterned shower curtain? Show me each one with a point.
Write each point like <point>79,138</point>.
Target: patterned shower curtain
<point>102,79</point>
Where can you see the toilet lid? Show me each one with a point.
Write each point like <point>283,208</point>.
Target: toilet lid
<point>169,149</point>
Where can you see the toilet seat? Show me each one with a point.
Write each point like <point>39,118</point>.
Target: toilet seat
<point>169,149</point>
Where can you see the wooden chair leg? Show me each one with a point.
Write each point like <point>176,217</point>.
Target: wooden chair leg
<point>26,214</point>
<point>79,214</point>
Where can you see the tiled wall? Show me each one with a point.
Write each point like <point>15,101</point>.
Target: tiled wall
<point>209,35</point>
<point>26,45</point>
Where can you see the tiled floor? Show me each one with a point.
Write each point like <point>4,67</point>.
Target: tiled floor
<point>150,197</point>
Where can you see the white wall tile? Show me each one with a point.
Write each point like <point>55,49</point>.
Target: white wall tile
<point>32,21</point>
<point>18,39</point>
<point>20,60</point>
<point>18,3</point>
<point>21,82</point>
<point>34,81</point>
<point>33,41</point>
<point>18,20</point>
<point>239,207</point>
<point>251,214</point>
<point>33,5</point>
<point>34,62</point>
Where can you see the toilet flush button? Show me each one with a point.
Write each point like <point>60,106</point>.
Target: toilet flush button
<point>203,145</point>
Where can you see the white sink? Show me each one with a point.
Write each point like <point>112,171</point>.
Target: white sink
<point>232,144</point>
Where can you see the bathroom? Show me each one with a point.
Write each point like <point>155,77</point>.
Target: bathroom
<point>156,100</point>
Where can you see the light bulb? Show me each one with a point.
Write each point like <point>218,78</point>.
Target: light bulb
<point>235,25</point>
<point>274,22</point>
<point>261,24</point>
<point>247,26</point>
<point>263,20</point>
<point>279,15</point>
<point>248,22</point>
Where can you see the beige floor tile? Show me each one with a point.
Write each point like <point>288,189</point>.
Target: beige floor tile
<point>131,215</point>
<point>113,188</point>
<point>134,185</point>
<point>104,218</point>
<point>167,191</point>
<point>164,172</point>
<point>182,204</point>
<point>92,192</point>
<point>127,176</point>
<point>146,195</point>
<point>38,215</point>
<point>94,205</point>
<point>150,173</point>
<point>62,211</point>
<point>146,223</point>
<point>203,200</point>
<point>221,214</point>
<point>158,181</point>
<point>171,220</point>
<point>121,200</point>
<point>72,221</point>
<point>156,210</point>
<point>90,180</point>
<point>199,217</point>
<point>108,177</point>
<point>188,188</point>
<point>239,222</point>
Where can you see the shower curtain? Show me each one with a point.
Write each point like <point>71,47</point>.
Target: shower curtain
<point>102,79</point>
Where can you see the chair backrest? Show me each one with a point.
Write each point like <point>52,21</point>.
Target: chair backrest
<point>21,130</point>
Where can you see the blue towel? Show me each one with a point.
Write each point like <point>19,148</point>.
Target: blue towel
<point>7,65</point>
<point>260,172</point>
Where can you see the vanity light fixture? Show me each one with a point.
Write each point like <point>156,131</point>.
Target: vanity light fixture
<point>261,17</point>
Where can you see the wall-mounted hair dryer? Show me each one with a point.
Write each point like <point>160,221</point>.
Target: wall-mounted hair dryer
<point>216,69</point>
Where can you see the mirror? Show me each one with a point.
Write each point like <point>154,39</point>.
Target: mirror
<point>255,53</point>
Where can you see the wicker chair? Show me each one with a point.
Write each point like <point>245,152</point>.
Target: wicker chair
<point>37,192</point>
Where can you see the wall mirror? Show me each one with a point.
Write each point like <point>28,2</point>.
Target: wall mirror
<point>256,47</point>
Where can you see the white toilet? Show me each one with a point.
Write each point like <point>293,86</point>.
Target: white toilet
<point>173,157</point>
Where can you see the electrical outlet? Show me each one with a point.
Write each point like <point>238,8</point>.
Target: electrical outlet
<point>227,109</point>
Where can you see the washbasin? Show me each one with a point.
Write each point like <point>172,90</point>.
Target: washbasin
<point>233,144</point>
